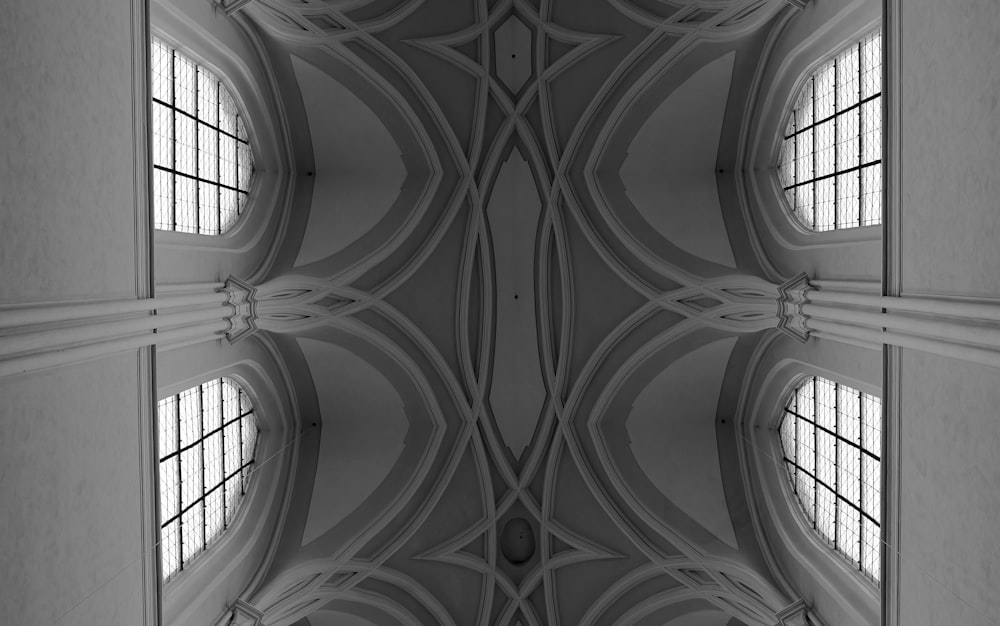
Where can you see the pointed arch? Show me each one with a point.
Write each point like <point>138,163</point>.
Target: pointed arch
<point>830,161</point>
<point>207,442</point>
<point>202,158</point>
<point>831,440</point>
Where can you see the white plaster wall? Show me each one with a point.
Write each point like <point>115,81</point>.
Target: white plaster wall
<point>950,98</point>
<point>949,224</point>
<point>810,36</point>
<point>816,573</point>
<point>950,491</point>
<point>69,483</point>
<point>66,178</point>
<point>70,543</point>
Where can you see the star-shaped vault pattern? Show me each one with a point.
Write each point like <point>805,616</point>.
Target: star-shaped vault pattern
<point>551,306</point>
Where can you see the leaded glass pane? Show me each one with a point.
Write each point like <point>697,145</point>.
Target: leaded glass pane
<point>833,142</point>
<point>170,549</point>
<point>208,441</point>
<point>830,435</point>
<point>202,160</point>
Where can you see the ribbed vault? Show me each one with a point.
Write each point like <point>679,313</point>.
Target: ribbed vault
<point>519,276</point>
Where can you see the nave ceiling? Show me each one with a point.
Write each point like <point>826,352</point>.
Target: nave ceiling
<point>514,290</point>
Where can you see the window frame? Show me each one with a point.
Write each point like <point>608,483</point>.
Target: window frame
<point>832,235</point>
<point>248,486</point>
<point>241,111</point>
<point>791,493</point>
<point>800,43</point>
<point>777,489</point>
<point>802,563</point>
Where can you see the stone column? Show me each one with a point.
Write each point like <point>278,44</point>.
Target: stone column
<point>34,337</point>
<point>963,329</point>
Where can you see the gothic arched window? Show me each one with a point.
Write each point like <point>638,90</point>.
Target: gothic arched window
<point>831,157</point>
<point>207,438</point>
<point>831,437</point>
<point>202,162</point>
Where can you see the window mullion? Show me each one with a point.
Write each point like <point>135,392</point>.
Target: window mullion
<point>836,464</point>
<point>861,484</point>
<point>173,143</point>
<point>218,153</point>
<point>815,451</point>
<point>236,167</point>
<point>836,146</point>
<point>222,406</point>
<point>197,148</point>
<point>813,132</point>
<point>201,426</point>
<point>180,485</point>
<point>239,398</point>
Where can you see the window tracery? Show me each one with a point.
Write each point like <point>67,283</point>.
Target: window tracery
<point>202,160</point>
<point>830,163</point>
<point>831,438</point>
<point>207,440</point>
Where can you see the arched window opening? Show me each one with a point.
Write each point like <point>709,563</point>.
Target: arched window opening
<point>207,438</point>
<point>831,157</point>
<point>831,437</point>
<point>202,162</point>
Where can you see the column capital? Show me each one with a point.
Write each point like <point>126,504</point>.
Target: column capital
<point>245,615</point>
<point>795,614</point>
<point>242,297</point>
<point>792,294</point>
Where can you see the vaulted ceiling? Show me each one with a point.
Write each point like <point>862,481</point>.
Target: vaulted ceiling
<point>516,286</point>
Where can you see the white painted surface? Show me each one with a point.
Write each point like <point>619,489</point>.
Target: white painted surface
<point>672,429</point>
<point>950,103</point>
<point>364,429</point>
<point>359,170</point>
<point>669,173</point>
<point>517,392</point>
<point>949,223</point>
<point>950,491</point>
<point>69,483</point>
<point>67,210</point>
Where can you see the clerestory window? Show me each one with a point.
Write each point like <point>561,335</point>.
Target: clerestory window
<point>830,164</point>
<point>831,437</point>
<point>207,439</point>
<point>202,161</point>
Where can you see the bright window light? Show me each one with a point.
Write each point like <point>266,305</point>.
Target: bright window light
<point>208,437</point>
<point>831,158</point>
<point>831,437</point>
<point>202,162</point>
